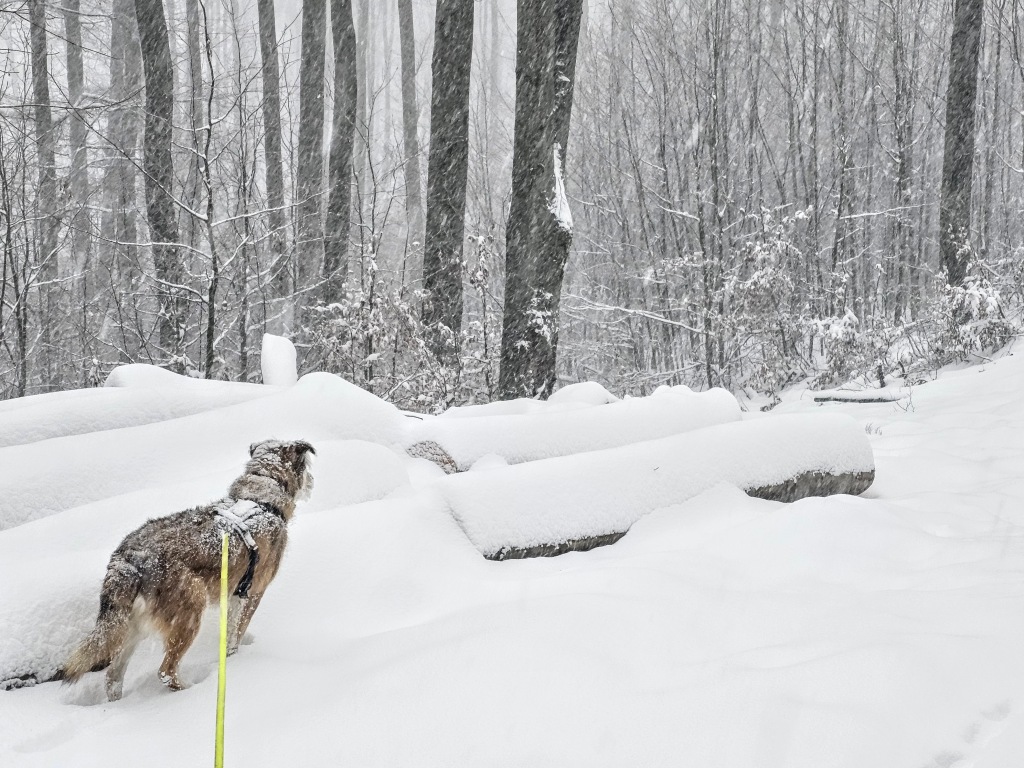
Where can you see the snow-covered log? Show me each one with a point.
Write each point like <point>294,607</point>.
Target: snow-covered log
<point>577,502</point>
<point>530,437</point>
<point>888,395</point>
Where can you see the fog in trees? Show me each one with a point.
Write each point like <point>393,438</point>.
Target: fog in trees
<point>639,192</point>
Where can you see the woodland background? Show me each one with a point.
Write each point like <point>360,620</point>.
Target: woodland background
<point>754,191</point>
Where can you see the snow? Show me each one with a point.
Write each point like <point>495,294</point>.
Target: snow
<point>518,407</point>
<point>572,427</point>
<point>559,205</point>
<point>584,392</point>
<point>114,461</point>
<point>94,410</point>
<point>277,361</point>
<point>722,631</point>
<point>533,504</point>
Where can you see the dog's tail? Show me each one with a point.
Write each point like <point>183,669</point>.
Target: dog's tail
<point>121,586</point>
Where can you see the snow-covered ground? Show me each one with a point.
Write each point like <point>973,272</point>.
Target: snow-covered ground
<point>722,631</point>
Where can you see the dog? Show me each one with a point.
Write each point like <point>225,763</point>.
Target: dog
<point>163,575</point>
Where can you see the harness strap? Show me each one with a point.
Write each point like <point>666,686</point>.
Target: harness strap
<point>236,518</point>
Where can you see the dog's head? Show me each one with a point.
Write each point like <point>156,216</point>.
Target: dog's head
<point>293,456</point>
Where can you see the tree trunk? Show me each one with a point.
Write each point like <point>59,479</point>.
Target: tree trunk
<point>539,230</point>
<point>48,222</point>
<point>446,176</point>
<point>159,171</point>
<point>410,121</point>
<point>196,126</point>
<point>117,225</point>
<point>556,233</point>
<point>81,235</point>
<point>81,225</point>
<point>280,271</point>
<point>339,203</point>
<point>958,160</point>
<point>310,165</point>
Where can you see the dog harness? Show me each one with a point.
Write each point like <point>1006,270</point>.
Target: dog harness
<point>235,517</point>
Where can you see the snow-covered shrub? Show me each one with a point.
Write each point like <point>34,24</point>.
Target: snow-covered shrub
<point>375,337</point>
<point>971,320</point>
<point>765,326</point>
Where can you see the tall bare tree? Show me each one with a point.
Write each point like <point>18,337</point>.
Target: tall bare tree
<point>48,222</point>
<point>159,171</point>
<point>310,162</point>
<point>274,163</point>
<point>81,227</point>
<point>410,121</point>
<point>958,158</point>
<point>343,133</point>
<point>539,231</point>
<point>447,166</point>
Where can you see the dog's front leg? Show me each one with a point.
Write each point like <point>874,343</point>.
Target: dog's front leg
<point>248,608</point>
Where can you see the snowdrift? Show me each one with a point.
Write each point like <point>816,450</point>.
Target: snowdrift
<point>519,436</point>
<point>572,397</point>
<point>724,631</point>
<point>107,463</point>
<point>577,502</point>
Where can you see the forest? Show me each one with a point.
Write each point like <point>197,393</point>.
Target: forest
<point>468,200</point>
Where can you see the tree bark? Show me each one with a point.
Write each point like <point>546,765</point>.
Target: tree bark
<point>197,127</point>
<point>447,166</point>
<point>159,170</point>
<point>48,222</point>
<point>81,235</point>
<point>553,249</point>
<point>343,133</point>
<point>410,121</point>
<point>958,159</point>
<point>310,164</point>
<point>281,272</point>
<point>539,231</point>
<point>117,224</point>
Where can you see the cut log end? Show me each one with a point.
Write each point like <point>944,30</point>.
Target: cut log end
<point>552,550</point>
<point>800,487</point>
<point>815,484</point>
<point>435,453</point>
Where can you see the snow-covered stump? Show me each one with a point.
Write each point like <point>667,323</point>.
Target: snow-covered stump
<point>277,361</point>
<point>534,436</point>
<point>573,503</point>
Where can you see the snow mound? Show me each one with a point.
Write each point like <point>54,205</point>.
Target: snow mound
<point>543,435</point>
<point>521,406</point>
<point>595,494</point>
<point>100,464</point>
<point>62,414</point>
<point>141,375</point>
<point>584,392</point>
<point>277,361</point>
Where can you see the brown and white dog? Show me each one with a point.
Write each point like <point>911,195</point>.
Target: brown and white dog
<point>163,575</point>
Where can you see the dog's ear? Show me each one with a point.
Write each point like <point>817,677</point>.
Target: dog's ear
<point>301,447</point>
<point>252,449</point>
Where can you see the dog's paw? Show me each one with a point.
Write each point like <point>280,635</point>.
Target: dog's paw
<point>171,681</point>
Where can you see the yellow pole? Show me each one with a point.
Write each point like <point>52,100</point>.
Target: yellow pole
<point>218,760</point>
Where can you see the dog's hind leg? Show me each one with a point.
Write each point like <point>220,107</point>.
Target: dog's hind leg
<point>236,607</point>
<point>180,629</point>
<point>118,665</point>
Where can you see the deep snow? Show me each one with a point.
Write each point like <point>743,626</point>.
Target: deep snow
<point>722,631</point>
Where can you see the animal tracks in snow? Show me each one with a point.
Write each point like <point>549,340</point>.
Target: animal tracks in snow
<point>975,736</point>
